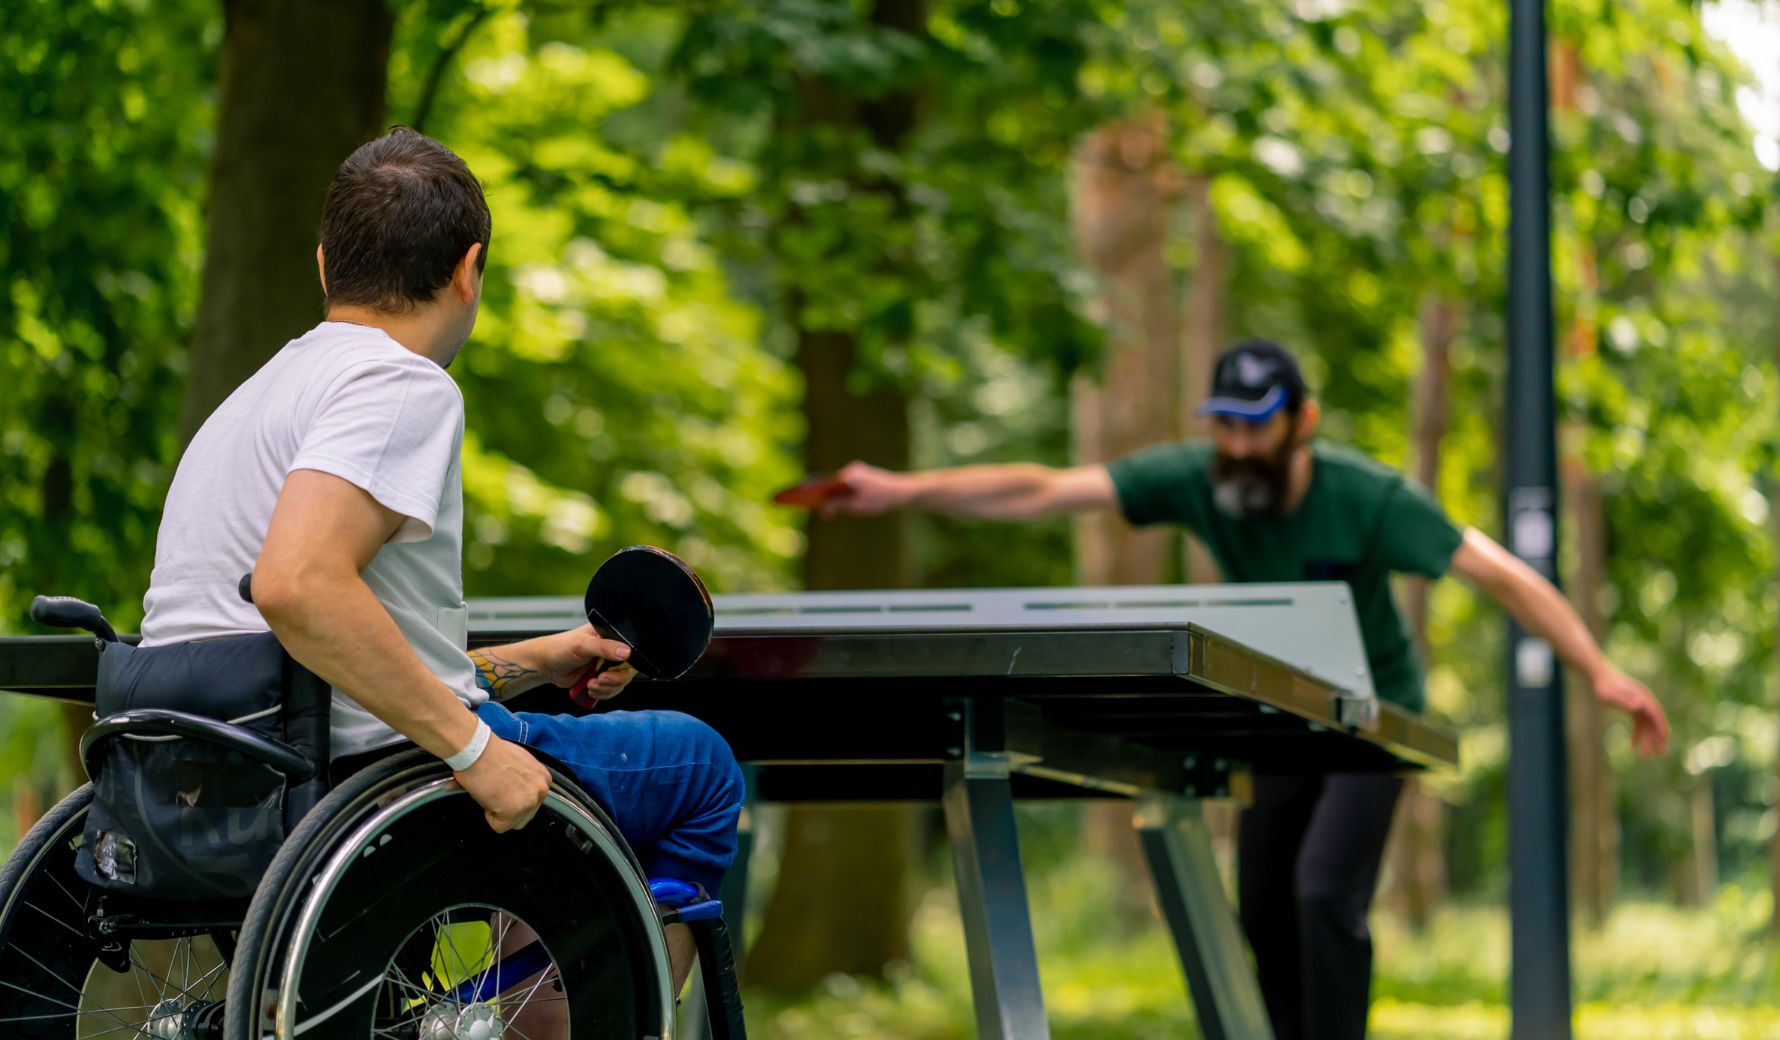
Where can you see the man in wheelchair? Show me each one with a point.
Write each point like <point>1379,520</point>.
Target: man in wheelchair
<point>333,476</point>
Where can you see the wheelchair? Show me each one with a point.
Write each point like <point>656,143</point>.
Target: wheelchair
<point>377,905</point>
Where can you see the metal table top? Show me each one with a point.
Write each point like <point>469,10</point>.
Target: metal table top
<point>843,696</point>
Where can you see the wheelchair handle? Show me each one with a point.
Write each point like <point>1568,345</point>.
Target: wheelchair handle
<point>280,756</point>
<point>68,612</point>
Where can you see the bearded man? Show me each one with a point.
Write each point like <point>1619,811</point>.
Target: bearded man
<point>1273,504</point>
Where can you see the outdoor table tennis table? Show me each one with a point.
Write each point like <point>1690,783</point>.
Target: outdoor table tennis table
<point>1164,695</point>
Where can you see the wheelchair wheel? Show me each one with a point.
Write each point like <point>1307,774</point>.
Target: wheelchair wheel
<point>58,981</point>
<point>393,910</point>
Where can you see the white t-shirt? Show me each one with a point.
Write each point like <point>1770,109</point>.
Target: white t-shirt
<point>344,399</point>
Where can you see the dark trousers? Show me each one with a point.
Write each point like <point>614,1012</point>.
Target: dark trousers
<point>1308,852</point>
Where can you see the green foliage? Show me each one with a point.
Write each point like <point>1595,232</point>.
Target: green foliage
<point>920,235</point>
<point>1651,971</point>
<point>617,391</point>
<point>102,174</point>
<point>1001,409</point>
<point>102,170</point>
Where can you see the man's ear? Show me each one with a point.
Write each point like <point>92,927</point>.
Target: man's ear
<point>463,277</point>
<point>321,268</point>
<point>1309,415</point>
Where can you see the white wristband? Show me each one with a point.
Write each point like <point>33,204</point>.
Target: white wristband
<point>473,750</point>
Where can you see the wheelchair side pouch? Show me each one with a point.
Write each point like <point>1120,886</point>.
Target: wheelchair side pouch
<point>175,817</point>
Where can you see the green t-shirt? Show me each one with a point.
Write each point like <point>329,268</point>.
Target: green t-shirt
<point>1359,522</point>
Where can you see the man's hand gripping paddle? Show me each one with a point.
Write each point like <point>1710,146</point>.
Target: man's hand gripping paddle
<point>652,601</point>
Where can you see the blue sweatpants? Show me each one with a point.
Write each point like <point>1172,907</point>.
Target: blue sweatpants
<point>668,781</point>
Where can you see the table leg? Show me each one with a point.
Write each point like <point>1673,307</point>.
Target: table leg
<point>1226,996</point>
<point>1004,983</point>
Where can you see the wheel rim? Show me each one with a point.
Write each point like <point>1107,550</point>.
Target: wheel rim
<point>358,917</point>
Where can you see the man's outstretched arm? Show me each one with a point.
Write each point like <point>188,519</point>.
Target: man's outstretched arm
<point>1016,491</point>
<point>1542,610</point>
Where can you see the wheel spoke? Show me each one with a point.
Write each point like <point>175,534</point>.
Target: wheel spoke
<point>160,984</point>
<point>458,961</point>
<point>79,904</point>
<point>128,1029</point>
<point>548,973</point>
<point>505,925</point>
<point>48,971</point>
<point>77,933</point>
<point>90,1010</point>
<point>182,959</point>
<point>449,970</point>
<point>419,991</point>
<point>463,966</point>
<point>412,1017</point>
<point>76,1013</point>
<point>113,1014</point>
<point>211,974</point>
<point>137,975</point>
<point>401,983</point>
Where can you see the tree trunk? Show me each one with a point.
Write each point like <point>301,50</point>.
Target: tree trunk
<point>1204,326</point>
<point>1123,189</point>
<point>1594,835</point>
<point>842,902</point>
<point>842,898</point>
<point>1774,517</point>
<point>1774,841</point>
<point>1694,878</point>
<point>301,86</point>
<point>1705,838</point>
<point>1414,852</point>
<point>1594,826</point>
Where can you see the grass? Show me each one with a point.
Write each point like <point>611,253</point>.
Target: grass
<point>1649,972</point>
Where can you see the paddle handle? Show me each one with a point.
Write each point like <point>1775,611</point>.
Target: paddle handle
<point>578,692</point>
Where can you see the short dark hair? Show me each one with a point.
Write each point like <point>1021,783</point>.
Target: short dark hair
<point>399,216</point>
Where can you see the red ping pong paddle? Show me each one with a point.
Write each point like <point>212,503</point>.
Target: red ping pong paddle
<point>653,602</point>
<point>814,491</point>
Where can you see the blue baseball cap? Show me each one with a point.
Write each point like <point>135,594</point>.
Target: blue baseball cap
<point>1253,380</point>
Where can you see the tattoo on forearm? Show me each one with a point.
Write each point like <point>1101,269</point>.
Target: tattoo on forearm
<point>496,674</point>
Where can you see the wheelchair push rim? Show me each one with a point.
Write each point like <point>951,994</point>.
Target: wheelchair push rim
<point>361,954</point>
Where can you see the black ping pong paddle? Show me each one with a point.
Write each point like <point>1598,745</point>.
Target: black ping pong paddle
<point>655,603</point>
